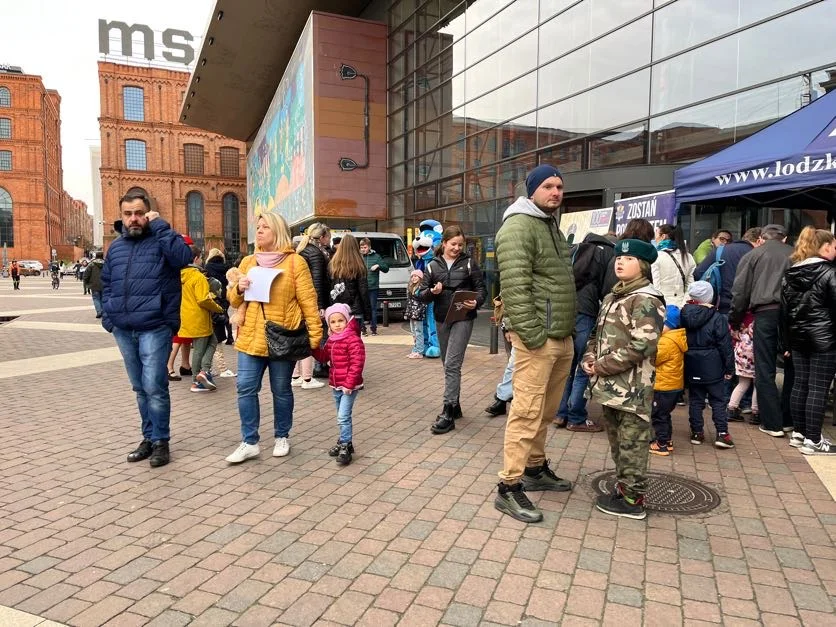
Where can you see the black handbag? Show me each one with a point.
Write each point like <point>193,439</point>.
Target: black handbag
<point>286,344</point>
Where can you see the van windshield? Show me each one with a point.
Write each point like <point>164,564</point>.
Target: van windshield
<point>392,250</point>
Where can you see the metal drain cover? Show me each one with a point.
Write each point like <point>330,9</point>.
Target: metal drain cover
<point>667,493</point>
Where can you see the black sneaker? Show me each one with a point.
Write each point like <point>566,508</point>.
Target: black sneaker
<point>617,505</point>
<point>697,437</point>
<point>541,478</point>
<point>185,372</point>
<point>735,415</point>
<point>755,418</point>
<point>159,454</point>
<point>335,450</point>
<point>143,451</point>
<point>511,500</point>
<point>344,454</point>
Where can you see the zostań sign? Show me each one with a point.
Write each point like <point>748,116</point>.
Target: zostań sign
<point>658,209</point>
<point>170,40</point>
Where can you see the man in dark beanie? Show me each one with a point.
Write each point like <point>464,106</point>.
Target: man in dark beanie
<point>538,290</point>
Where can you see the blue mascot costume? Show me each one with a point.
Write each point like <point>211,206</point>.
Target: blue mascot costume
<point>424,246</point>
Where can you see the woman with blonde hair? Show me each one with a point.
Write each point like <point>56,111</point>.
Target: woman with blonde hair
<point>349,284</point>
<point>292,302</point>
<point>318,264</point>
<point>808,311</point>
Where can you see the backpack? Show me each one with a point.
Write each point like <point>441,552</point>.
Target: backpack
<point>712,274</point>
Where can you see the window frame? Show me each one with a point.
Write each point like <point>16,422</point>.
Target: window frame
<point>232,235</point>
<point>228,150</point>
<point>5,102</point>
<point>6,156</point>
<point>140,117</point>
<point>135,142</point>
<point>196,234</point>
<point>193,171</point>
<point>9,134</point>
<point>9,238</point>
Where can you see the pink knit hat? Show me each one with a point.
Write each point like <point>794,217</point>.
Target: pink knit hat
<point>339,308</point>
<point>417,273</point>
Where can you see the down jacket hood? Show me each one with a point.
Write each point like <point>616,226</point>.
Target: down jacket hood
<point>525,206</point>
<point>695,317</point>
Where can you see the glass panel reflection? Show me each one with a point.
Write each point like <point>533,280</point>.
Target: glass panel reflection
<point>500,30</point>
<point>515,59</point>
<point>618,147</point>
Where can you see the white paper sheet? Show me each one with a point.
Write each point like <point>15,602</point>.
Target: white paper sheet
<point>260,281</point>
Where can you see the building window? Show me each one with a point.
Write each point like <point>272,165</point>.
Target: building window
<point>193,159</point>
<point>5,97</point>
<point>5,160</point>
<point>194,217</point>
<point>5,128</point>
<point>229,162</point>
<point>135,154</point>
<point>133,104</point>
<point>232,225</point>
<point>7,233</point>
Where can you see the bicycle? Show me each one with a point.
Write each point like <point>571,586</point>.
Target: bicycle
<point>56,280</point>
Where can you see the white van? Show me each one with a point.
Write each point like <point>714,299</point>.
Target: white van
<point>393,284</point>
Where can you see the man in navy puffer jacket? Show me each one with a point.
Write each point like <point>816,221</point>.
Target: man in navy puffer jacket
<point>141,307</point>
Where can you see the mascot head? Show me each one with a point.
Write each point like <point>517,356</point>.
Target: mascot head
<point>428,239</point>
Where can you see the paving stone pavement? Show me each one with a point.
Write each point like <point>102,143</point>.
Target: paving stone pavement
<point>407,534</point>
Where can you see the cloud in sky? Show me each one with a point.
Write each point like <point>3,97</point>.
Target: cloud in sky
<point>59,41</point>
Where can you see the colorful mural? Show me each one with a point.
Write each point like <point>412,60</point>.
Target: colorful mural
<point>280,163</point>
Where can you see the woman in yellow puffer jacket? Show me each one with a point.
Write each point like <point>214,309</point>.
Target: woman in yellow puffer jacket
<point>292,300</point>
<point>670,380</point>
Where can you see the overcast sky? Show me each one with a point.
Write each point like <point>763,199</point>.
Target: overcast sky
<point>59,41</point>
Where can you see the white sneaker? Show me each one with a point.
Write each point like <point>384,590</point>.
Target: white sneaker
<point>774,434</point>
<point>243,453</point>
<point>822,447</point>
<point>296,382</point>
<point>227,373</point>
<point>312,384</point>
<point>282,447</point>
<point>796,440</point>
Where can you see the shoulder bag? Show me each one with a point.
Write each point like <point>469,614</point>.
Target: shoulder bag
<point>285,344</point>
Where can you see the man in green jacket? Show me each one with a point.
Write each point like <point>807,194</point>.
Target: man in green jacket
<point>538,291</point>
<point>374,266</point>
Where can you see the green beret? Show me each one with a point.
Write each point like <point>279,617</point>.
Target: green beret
<point>636,248</point>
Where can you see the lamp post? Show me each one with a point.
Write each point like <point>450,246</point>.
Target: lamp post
<point>346,164</point>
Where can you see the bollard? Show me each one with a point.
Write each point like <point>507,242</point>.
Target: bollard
<point>494,341</point>
<point>385,313</point>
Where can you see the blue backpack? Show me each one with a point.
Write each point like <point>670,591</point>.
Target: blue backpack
<point>712,274</point>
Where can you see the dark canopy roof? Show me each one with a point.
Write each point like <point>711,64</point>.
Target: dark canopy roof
<point>791,163</point>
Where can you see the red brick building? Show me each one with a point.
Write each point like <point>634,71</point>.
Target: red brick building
<point>195,179</point>
<point>36,214</point>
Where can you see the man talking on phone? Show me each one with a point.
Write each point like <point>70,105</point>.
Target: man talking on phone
<point>141,307</point>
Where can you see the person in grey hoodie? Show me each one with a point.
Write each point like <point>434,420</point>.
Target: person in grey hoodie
<point>538,291</point>
<point>757,288</point>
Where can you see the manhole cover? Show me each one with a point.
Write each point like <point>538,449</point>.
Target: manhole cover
<point>667,493</point>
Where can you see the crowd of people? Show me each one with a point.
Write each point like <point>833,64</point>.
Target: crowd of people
<point>634,322</point>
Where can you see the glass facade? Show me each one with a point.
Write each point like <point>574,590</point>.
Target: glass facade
<point>481,91</point>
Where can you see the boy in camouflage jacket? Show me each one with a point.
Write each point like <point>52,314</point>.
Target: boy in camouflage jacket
<point>620,360</point>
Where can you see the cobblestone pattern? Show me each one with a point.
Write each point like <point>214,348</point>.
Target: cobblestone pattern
<point>407,534</point>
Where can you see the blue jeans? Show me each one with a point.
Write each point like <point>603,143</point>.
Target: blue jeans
<point>417,329</point>
<point>505,389</point>
<point>345,403</point>
<point>250,373</point>
<point>373,304</point>
<point>146,360</point>
<point>573,405</point>
<point>97,302</point>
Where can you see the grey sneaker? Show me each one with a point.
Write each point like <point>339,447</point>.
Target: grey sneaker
<point>822,447</point>
<point>540,478</point>
<point>796,440</point>
<point>511,500</point>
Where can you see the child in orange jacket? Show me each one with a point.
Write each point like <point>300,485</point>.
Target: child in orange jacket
<point>670,380</point>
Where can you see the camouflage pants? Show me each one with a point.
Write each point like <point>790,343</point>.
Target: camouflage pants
<point>629,438</point>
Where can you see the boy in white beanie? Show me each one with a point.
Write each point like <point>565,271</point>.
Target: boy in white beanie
<point>709,362</point>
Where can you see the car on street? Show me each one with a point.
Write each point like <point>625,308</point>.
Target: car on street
<point>29,267</point>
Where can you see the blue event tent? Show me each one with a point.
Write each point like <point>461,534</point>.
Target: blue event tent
<point>791,164</point>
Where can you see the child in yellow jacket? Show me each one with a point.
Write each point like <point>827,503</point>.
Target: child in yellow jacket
<point>670,380</point>
<point>196,308</point>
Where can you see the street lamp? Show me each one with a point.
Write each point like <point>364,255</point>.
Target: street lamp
<point>346,164</point>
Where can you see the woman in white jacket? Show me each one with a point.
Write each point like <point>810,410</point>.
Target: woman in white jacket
<point>673,271</point>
